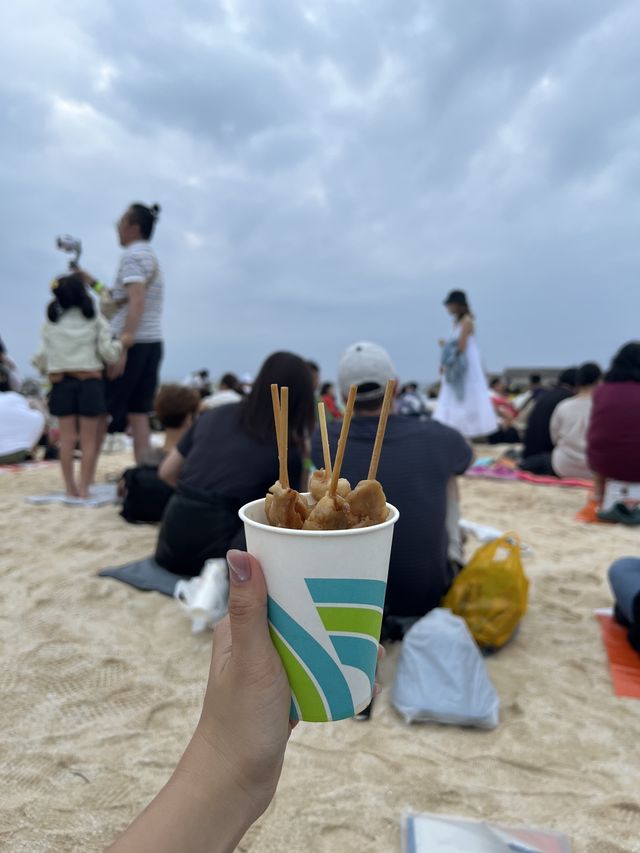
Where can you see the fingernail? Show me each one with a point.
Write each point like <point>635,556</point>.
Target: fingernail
<point>377,690</point>
<point>239,566</point>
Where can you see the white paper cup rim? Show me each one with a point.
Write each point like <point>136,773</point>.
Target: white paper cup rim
<point>394,515</point>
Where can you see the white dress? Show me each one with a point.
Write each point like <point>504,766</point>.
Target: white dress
<point>473,415</point>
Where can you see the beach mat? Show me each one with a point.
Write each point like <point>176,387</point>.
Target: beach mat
<point>32,465</point>
<point>100,495</point>
<point>624,661</point>
<point>145,575</point>
<point>563,482</point>
<point>496,470</point>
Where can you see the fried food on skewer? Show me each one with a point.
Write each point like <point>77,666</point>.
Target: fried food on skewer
<point>320,481</point>
<point>283,505</point>
<point>285,508</point>
<point>332,511</point>
<point>367,502</point>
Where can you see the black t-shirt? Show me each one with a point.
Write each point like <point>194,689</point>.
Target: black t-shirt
<point>537,438</point>
<point>418,460</point>
<point>223,460</point>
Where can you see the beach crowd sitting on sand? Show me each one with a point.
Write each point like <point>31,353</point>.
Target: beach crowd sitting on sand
<point>100,357</point>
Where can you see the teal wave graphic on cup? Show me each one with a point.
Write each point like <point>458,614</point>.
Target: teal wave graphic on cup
<point>350,610</point>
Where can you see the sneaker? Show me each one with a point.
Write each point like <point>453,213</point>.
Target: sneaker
<point>621,513</point>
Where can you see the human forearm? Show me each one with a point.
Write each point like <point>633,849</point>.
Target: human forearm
<point>134,316</point>
<point>229,772</point>
<point>199,809</point>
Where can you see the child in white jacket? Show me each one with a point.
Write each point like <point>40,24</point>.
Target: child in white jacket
<point>76,345</point>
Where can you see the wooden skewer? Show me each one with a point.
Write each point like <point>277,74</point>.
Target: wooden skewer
<point>322,418</point>
<point>342,441</point>
<point>382,426</point>
<point>275,399</point>
<point>284,436</point>
<point>277,419</point>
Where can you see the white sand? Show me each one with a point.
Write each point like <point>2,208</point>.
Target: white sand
<point>101,687</point>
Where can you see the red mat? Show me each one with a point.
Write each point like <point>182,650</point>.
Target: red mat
<point>624,662</point>
<point>567,482</point>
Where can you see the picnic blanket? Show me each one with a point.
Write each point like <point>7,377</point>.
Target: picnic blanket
<point>99,495</point>
<point>489,468</point>
<point>624,661</point>
<point>31,465</point>
<point>145,575</point>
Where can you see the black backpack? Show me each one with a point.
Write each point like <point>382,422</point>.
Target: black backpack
<point>146,495</point>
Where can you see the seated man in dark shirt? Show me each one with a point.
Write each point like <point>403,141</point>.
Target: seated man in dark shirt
<point>537,446</point>
<point>419,459</point>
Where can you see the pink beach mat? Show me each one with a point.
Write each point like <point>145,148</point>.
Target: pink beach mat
<point>499,471</point>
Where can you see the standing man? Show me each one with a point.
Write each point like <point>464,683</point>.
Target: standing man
<point>137,295</point>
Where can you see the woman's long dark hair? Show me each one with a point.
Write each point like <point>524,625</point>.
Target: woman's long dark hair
<point>283,368</point>
<point>625,366</point>
<point>70,291</point>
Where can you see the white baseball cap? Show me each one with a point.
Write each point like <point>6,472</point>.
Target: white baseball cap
<point>368,366</point>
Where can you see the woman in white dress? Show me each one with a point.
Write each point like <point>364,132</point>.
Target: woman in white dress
<point>464,402</point>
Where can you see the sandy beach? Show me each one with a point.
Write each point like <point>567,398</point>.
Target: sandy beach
<point>101,688</point>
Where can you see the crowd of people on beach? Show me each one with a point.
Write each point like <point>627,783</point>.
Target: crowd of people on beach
<point>100,358</point>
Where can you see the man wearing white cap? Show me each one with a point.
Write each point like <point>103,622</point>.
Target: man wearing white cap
<point>419,459</point>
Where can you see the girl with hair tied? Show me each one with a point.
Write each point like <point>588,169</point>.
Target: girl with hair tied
<point>464,402</point>
<point>76,345</point>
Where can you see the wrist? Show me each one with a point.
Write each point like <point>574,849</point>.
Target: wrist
<point>127,340</point>
<point>209,784</point>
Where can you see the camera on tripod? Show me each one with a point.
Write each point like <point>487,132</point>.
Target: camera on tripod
<point>69,244</point>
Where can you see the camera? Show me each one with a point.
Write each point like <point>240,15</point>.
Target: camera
<point>69,244</point>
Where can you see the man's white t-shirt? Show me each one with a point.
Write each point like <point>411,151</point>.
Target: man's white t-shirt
<point>20,425</point>
<point>139,264</point>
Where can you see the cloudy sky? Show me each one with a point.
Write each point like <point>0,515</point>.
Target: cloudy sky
<point>329,169</point>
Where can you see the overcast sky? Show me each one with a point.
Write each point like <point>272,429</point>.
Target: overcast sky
<point>329,169</point>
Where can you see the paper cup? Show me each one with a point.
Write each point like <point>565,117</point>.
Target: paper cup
<point>326,592</point>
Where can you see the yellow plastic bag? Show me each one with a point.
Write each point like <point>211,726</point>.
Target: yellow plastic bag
<point>490,593</point>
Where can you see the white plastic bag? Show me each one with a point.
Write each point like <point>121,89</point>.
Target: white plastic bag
<point>441,676</point>
<point>205,597</point>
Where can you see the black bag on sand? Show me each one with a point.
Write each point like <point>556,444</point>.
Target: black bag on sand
<point>146,495</point>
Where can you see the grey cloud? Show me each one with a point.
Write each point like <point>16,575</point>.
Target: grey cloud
<point>327,171</point>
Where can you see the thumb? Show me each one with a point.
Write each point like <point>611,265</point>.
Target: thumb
<point>250,638</point>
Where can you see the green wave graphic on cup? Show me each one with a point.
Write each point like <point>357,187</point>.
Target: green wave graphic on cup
<point>350,610</point>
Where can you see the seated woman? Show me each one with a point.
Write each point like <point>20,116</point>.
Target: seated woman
<point>230,390</point>
<point>624,580</point>
<point>145,494</point>
<point>227,458</point>
<point>613,439</point>
<point>569,425</point>
<point>506,414</point>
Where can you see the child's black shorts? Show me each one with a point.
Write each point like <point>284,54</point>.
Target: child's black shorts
<point>83,397</point>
